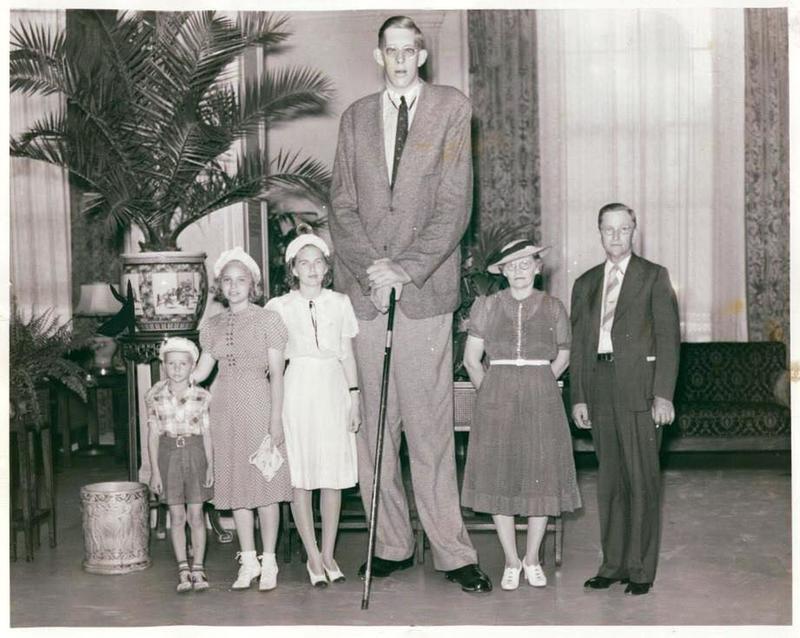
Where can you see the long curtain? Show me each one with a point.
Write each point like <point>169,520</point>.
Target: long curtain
<point>39,206</point>
<point>767,173</point>
<point>502,46</point>
<point>647,107</point>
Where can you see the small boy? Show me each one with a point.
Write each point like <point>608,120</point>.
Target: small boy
<point>179,444</point>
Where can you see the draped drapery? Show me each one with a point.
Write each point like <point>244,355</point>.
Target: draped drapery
<point>502,46</point>
<point>646,107</point>
<point>767,173</point>
<point>39,205</point>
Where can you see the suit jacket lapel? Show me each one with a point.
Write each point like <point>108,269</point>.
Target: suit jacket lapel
<point>422,116</point>
<point>376,140</point>
<point>631,285</point>
<point>595,299</point>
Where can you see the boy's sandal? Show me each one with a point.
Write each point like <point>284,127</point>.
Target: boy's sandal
<point>199,580</point>
<point>184,580</point>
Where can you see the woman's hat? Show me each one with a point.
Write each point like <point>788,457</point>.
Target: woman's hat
<point>305,238</point>
<point>178,344</point>
<point>514,250</point>
<point>237,254</point>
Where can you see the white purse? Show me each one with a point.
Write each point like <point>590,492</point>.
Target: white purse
<point>267,458</point>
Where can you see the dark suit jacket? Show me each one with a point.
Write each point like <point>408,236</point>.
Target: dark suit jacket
<point>646,325</point>
<point>420,223</point>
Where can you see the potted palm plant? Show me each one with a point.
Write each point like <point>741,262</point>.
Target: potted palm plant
<point>153,131</point>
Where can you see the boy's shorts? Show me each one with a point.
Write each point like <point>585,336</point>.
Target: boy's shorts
<point>182,463</point>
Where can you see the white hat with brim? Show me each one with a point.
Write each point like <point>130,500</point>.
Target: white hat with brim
<point>515,250</point>
<point>303,240</point>
<point>178,344</point>
<point>237,254</point>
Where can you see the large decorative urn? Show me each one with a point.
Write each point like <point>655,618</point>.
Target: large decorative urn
<point>169,289</point>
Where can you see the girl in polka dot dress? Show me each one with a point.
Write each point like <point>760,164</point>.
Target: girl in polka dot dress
<point>246,341</point>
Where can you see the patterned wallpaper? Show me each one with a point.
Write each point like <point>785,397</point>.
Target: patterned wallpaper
<point>767,173</point>
<point>502,48</point>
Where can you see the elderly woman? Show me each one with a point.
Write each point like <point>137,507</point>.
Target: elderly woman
<point>519,460</point>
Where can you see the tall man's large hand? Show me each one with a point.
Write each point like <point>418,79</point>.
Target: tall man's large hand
<point>380,296</point>
<point>385,272</point>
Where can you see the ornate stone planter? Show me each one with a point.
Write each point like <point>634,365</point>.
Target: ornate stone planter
<point>116,530</point>
<point>169,289</point>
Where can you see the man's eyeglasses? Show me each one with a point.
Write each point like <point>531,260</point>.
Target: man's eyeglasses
<point>624,231</point>
<point>405,52</point>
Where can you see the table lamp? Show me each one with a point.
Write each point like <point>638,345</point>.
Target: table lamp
<point>97,301</point>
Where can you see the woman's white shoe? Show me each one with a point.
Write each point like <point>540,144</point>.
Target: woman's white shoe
<point>334,574</point>
<point>510,579</point>
<point>249,570</point>
<point>534,574</point>
<point>269,573</point>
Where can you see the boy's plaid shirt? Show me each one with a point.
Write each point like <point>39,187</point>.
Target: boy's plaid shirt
<point>175,417</point>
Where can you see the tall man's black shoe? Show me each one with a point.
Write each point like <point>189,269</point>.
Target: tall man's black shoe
<point>471,579</point>
<point>637,589</point>
<point>601,582</point>
<point>381,567</point>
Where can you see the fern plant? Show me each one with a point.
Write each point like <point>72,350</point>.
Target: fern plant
<point>37,349</point>
<point>154,123</point>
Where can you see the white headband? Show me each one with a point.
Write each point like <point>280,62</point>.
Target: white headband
<point>237,254</point>
<point>306,239</point>
<point>178,344</point>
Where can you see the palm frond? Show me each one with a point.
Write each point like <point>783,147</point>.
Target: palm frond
<point>149,119</point>
<point>264,29</point>
<point>34,60</point>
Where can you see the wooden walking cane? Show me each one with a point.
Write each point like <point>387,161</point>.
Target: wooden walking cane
<point>376,479</point>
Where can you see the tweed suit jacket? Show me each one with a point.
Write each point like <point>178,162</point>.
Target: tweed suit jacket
<point>645,335</point>
<point>420,222</point>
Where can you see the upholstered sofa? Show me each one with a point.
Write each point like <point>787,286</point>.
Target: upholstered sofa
<point>729,396</point>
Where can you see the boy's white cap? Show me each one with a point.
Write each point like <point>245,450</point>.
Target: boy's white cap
<point>303,240</point>
<point>178,344</point>
<point>237,254</point>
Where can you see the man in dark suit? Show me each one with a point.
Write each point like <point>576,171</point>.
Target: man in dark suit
<point>624,362</point>
<point>401,195</point>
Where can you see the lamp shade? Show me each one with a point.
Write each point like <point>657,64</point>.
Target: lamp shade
<point>97,301</point>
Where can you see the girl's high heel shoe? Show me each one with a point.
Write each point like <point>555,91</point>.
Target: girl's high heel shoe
<point>334,574</point>
<point>317,580</point>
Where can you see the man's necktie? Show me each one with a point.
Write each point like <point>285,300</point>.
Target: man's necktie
<point>612,295</point>
<point>400,137</point>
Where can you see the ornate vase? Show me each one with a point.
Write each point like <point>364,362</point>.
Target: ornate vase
<point>116,529</point>
<point>169,289</point>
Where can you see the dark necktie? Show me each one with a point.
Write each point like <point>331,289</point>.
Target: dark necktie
<point>400,137</point>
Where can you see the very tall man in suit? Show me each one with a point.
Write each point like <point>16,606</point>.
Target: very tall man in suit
<point>624,363</point>
<point>401,195</point>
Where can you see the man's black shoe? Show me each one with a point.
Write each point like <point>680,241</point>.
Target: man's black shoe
<point>471,578</point>
<point>601,582</point>
<point>637,589</point>
<point>382,567</point>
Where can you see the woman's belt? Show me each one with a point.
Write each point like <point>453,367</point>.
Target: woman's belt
<point>519,362</point>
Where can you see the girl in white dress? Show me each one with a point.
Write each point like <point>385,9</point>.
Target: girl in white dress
<point>321,401</point>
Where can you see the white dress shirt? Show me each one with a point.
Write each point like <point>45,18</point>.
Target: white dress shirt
<point>604,343</point>
<point>391,106</point>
